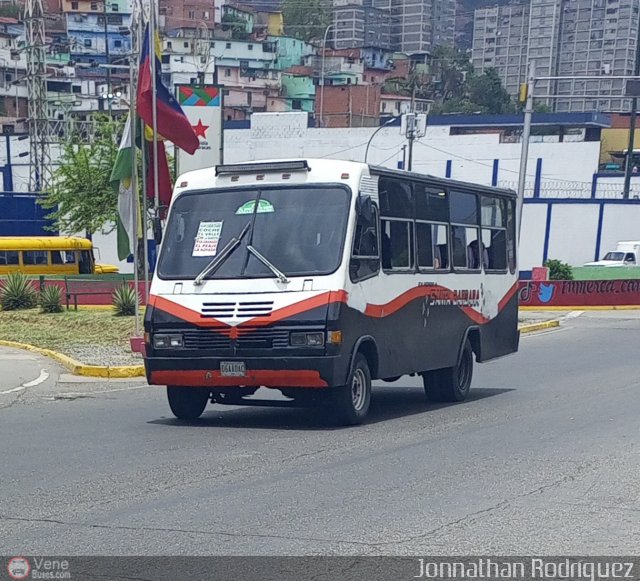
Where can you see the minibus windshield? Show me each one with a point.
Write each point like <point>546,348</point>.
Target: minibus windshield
<point>300,230</point>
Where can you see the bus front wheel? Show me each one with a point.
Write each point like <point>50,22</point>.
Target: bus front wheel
<point>188,403</point>
<point>451,384</point>
<point>353,399</point>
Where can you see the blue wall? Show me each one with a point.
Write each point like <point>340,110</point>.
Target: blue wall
<point>20,215</point>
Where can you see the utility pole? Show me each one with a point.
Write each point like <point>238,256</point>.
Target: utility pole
<point>526,134</point>
<point>628,168</point>
<point>324,51</point>
<point>106,53</point>
<point>39,128</point>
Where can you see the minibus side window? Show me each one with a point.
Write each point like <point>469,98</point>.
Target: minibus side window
<point>432,231</point>
<point>396,225</point>
<point>85,262</point>
<point>34,257</point>
<point>56,257</point>
<point>365,260</point>
<point>494,233</point>
<point>465,240</point>
<point>8,257</point>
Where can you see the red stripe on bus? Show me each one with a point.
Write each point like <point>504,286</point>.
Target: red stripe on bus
<point>255,378</point>
<point>386,309</point>
<point>506,298</point>
<point>194,317</point>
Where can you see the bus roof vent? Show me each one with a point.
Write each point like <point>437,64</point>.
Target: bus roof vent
<point>274,166</point>
<point>369,186</point>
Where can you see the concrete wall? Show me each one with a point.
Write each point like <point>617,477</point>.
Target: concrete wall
<point>565,169</point>
<point>575,231</point>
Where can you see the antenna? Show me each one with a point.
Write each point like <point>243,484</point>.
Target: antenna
<point>40,174</point>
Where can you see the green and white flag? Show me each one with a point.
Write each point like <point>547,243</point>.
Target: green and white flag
<point>122,181</point>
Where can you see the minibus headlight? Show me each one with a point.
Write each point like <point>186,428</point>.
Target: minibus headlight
<point>162,341</point>
<point>315,339</point>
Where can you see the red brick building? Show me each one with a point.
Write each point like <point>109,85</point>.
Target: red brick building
<point>349,105</point>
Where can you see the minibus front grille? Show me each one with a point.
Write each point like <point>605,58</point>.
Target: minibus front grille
<point>241,310</point>
<point>263,338</point>
<point>248,338</point>
<point>205,339</point>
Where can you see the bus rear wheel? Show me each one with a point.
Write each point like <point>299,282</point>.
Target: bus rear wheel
<point>188,403</point>
<point>351,401</point>
<point>451,384</point>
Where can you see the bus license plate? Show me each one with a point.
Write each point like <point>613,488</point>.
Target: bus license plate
<point>233,369</point>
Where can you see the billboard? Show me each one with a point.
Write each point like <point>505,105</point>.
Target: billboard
<point>203,107</point>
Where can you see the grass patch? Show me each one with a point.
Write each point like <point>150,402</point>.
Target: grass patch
<point>61,331</point>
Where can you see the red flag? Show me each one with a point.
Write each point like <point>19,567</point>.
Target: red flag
<point>164,176</point>
<point>172,122</point>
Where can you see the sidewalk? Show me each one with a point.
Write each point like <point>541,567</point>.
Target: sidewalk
<point>533,317</point>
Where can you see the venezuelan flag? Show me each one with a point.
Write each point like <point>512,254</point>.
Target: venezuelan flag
<point>172,122</point>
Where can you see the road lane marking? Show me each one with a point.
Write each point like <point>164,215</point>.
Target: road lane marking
<point>574,314</point>
<point>40,379</point>
<point>19,388</point>
<point>37,381</point>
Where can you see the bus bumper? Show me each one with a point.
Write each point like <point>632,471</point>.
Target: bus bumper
<point>289,372</point>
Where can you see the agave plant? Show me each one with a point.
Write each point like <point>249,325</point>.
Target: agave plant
<point>16,292</point>
<point>51,299</point>
<point>124,301</point>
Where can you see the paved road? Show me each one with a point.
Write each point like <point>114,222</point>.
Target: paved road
<point>545,458</point>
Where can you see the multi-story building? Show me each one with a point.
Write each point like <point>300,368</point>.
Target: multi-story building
<point>562,38</point>
<point>191,17</point>
<point>97,30</point>
<point>249,75</point>
<point>358,24</point>
<point>500,41</point>
<point>420,25</point>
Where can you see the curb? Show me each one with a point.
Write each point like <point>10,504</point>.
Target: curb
<point>535,327</point>
<point>77,368</point>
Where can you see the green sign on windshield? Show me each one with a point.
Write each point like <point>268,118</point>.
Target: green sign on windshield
<point>264,207</point>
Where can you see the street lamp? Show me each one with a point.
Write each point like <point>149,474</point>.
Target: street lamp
<point>324,50</point>
<point>387,122</point>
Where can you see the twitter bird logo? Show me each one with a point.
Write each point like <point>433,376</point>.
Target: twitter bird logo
<point>545,292</point>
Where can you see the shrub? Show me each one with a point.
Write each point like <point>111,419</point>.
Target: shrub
<point>16,293</point>
<point>51,299</point>
<point>559,270</point>
<point>124,301</point>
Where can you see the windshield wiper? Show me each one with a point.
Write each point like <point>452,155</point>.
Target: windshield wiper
<point>224,254</point>
<point>279,274</point>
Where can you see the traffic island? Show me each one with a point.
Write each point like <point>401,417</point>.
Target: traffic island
<point>92,343</point>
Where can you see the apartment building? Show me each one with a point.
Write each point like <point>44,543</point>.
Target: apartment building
<point>562,38</point>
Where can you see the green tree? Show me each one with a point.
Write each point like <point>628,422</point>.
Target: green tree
<point>450,71</point>
<point>306,20</point>
<point>487,92</point>
<point>81,198</point>
<point>237,25</point>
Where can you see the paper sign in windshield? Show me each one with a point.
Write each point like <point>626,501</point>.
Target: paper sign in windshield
<point>207,239</point>
<point>264,207</point>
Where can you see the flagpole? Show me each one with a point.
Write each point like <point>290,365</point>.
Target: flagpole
<point>154,111</point>
<point>134,189</point>
<point>145,207</point>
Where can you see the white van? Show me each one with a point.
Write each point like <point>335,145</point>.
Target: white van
<point>315,277</point>
<point>627,253</point>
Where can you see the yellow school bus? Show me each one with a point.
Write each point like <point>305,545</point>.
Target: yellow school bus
<point>49,255</point>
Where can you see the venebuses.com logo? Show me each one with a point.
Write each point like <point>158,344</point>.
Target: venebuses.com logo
<point>18,568</point>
